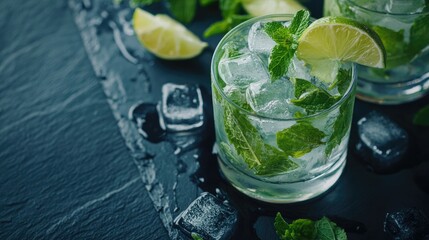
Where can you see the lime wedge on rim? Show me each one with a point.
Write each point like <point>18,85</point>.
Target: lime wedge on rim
<point>341,39</point>
<point>258,8</point>
<point>165,37</point>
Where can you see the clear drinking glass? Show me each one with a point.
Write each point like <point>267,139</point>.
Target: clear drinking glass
<point>253,154</point>
<point>403,26</point>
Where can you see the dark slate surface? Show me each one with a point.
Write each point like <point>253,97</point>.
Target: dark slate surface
<point>65,172</point>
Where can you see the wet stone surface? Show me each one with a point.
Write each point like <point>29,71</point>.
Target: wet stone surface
<point>67,172</point>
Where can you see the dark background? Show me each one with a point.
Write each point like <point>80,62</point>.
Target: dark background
<point>65,172</point>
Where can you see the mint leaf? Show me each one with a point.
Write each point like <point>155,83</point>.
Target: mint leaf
<point>280,225</point>
<point>144,2</point>
<point>302,86</point>
<point>300,22</point>
<point>306,229</point>
<point>279,33</point>
<point>397,50</point>
<point>299,139</point>
<point>229,7</point>
<point>315,100</point>
<point>419,37</point>
<point>225,25</point>
<point>196,236</point>
<point>301,229</point>
<point>328,230</point>
<point>259,156</point>
<point>341,125</point>
<point>280,58</point>
<point>422,117</point>
<point>183,10</point>
<point>342,81</point>
<point>286,39</point>
<point>238,97</point>
<point>218,28</point>
<point>207,2</point>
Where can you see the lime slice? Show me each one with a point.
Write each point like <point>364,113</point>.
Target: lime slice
<point>165,37</point>
<point>341,39</point>
<point>264,7</point>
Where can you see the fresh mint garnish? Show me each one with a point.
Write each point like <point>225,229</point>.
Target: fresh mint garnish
<point>230,10</point>
<point>299,23</point>
<point>302,86</point>
<point>306,229</point>
<point>183,10</point>
<point>299,139</point>
<point>341,125</point>
<point>315,100</point>
<point>196,236</point>
<point>422,117</point>
<point>259,156</point>
<point>342,81</point>
<point>419,37</point>
<point>287,42</point>
<point>328,230</point>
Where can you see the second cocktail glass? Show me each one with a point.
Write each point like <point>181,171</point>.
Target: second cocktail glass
<point>403,26</point>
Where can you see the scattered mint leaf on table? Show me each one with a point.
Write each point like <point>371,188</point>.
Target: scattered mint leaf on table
<point>328,230</point>
<point>286,39</point>
<point>306,229</point>
<point>196,236</point>
<point>183,10</point>
<point>299,139</point>
<point>280,225</point>
<point>225,25</point>
<point>422,117</point>
<point>259,156</point>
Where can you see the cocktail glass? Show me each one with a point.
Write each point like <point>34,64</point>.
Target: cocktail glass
<point>269,150</point>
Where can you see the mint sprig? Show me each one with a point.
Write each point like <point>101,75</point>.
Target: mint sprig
<point>306,229</point>
<point>341,125</point>
<point>286,39</point>
<point>299,139</point>
<point>264,159</point>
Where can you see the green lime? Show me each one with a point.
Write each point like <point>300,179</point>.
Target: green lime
<point>341,39</point>
<point>265,7</point>
<point>165,37</point>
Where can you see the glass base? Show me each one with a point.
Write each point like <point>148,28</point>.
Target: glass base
<point>393,93</point>
<point>283,192</point>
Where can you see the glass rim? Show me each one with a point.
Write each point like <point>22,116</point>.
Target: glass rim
<point>214,73</point>
<point>354,3</point>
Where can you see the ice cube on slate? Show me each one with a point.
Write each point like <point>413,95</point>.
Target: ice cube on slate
<point>182,107</point>
<point>407,224</point>
<point>259,41</point>
<point>271,99</point>
<point>242,70</point>
<point>209,217</point>
<point>382,143</point>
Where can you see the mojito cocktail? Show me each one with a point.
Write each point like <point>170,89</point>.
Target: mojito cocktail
<point>403,26</point>
<point>282,126</point>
